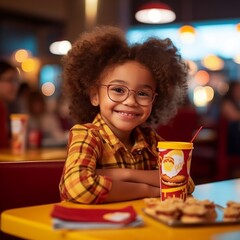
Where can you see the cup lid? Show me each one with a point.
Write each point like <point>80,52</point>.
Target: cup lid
<point>174,145</point>
<point>19,116</point>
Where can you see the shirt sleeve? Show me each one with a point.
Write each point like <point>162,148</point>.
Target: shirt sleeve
<point>79,182</point>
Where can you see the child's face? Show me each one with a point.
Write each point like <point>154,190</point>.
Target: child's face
<point>122,116</point>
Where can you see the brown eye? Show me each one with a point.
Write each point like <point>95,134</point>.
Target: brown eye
<point>118,89</point>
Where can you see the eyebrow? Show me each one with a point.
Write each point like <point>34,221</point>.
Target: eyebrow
<point>118,81</point>
<point>122,82</point>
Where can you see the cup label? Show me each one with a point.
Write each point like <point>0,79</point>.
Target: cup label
<point>174,172</point>
<point>19,132</point>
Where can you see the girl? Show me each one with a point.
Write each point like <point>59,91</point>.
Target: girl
<point>114,91</point>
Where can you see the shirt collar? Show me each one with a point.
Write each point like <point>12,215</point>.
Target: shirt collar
<point>111,139</point>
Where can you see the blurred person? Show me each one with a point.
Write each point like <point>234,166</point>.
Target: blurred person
<point>20,105</point>
<point>230,108</point>
<point>230,111</point>
<point>9,83</point>
<point>62,113</point>
<point>211,116</point>
<point>44,122</point>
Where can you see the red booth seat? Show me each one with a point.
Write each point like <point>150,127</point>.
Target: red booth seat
<point>29,183</point>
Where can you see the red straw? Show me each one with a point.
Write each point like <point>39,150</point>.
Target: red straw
<point>196,133</point>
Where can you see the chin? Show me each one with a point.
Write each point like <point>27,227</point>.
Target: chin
<point>125,128</point>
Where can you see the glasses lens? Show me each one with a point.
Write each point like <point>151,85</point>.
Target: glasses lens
<point>145,97</point>
<point>117,93</point>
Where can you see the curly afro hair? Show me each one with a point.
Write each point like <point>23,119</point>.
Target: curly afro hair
<point>106,47</point>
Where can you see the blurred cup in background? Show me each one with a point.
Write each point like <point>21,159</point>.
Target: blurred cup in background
<point>34,138</point>
<point>174,168</point>
<point>19,129</point>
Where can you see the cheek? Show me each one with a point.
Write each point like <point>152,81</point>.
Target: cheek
<point>149,109</point>
<point>105,102</point>
<point>104,99</point>
<point>148,112</point>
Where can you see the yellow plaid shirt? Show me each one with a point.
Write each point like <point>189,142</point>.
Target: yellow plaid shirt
<point>94,146</point>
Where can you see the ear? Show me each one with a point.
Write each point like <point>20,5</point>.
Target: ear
<point>94,96</point>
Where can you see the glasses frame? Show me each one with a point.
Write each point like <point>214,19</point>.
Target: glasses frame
<point>128,94</point>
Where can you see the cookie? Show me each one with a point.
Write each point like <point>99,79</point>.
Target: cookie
<point>166,211</point>
<point>194,214</point>
<point>179,202</point>
<point>231,214</point>
<point>233,204</point>
<point>152,202</point>
<point>211,209</point>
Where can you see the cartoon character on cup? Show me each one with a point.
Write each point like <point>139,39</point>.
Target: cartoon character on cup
<point>174,174</point>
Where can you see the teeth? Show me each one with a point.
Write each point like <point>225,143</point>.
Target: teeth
<point>127,114</point>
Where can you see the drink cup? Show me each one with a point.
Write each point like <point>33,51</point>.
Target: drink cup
<point>34,138</point>
<point>19,127</point>
<point>174,168</point>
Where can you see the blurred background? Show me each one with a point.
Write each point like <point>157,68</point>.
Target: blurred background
<point>34,35</point>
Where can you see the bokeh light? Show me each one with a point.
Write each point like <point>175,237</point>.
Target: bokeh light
<point>238,27</point>
<point>48,89</point>
<point>202,77</point>
<point>21,55</point>
<point>236,58</point>
<point>202,95</point>
<point>60,47</point>
<point>213,62</point>
<point>209,92</point>
<point>30,65</point>
<point>192,67</point>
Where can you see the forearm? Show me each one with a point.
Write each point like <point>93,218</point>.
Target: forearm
<point>124,191</point>
<point>150,177</point>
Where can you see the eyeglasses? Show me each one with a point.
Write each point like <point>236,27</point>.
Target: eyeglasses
<point>119,93</point>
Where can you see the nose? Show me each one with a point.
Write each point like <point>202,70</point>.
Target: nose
<point>131,99</point>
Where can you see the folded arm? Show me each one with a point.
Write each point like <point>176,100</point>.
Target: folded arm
<point>150,177</point>
<point>129,184</point>
<point>124,191</point>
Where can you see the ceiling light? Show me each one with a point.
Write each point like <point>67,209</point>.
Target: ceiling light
<point>187,33</point>
<point>238,27</point>
<point>155,13</point>
<point>60,47</point>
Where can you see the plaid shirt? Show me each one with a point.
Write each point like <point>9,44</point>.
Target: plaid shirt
<point>94,146</point>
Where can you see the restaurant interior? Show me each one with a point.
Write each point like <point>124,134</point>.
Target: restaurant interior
<point>35,35</point>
